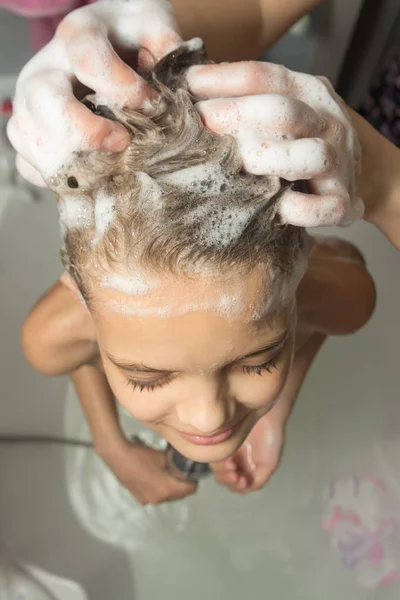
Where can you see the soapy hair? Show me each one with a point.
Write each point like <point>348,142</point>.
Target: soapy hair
<point>176,200</point>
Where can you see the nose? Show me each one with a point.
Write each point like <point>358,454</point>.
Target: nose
<point>209,407</point>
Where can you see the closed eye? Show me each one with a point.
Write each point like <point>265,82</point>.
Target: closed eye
<point>148,385</point>
<point>258,369</point>
<point>247,369</point>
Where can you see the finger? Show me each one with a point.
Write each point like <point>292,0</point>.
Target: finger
<point>28,172</point>
<point>182,488</point>
<point>292,160</point>
<point>264,114</point>
<point>64,124</point>
<point>97,132</point>
<point>157,46</point>
<point>96,65</point>
<point>308,210</point>
<point>241,486</point>
<point>238,79</point>
<point>227,479</point>
<point>225,466</point>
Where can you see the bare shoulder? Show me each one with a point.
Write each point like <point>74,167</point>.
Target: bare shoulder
<point>58,335</point>
<point>337,295</point>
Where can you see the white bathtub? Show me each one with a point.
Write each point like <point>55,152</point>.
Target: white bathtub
<point>37,524</point>
<point>268,545</point>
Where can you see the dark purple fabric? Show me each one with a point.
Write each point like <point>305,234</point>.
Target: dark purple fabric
<point>382,105</point>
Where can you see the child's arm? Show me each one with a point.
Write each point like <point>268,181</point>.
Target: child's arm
<point>59,339</point>
<point>99,406</point>
<point>256,461</point>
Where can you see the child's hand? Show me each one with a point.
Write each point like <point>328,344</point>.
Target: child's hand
<point>142,471</point>
<point>287,124</point>
<point>256,461</point>
<point>49,122</point>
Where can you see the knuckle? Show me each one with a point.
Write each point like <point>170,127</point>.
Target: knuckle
<point>38,90</point>
<point>329,152</point>
<point>338,130</point>
<point>84,39</point>
<point>324,85</point>
<point>252,74</point>
<point>65,28</point>
<point>13,131</point>
<point>89,50</point>
<point>341,207</point>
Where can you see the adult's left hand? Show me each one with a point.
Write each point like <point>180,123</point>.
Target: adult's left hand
<point>256,461</point>
<point>288,124</point>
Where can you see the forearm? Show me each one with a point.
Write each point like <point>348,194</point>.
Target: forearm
<point>301,365</point>
<point>239,29</point>
<point>379,180</point>
<point>98,404</point>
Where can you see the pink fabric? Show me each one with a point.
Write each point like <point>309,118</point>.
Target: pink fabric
<point>39,8</point>
<point>44,15</point>
<point>42,30</point>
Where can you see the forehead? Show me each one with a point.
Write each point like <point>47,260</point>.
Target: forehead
<point>237,296</point>
<point>196,336</point>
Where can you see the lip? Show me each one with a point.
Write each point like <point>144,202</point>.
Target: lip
<point>212,440</point>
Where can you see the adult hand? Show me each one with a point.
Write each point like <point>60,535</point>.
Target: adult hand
<point>288,124</point>
<point>143,472</point>
<point>49,123</point>
<point>256,461</point>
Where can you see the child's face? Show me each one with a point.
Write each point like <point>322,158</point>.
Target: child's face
<point>200,377</point>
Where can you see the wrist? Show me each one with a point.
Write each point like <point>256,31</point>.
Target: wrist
<point>378,183</point>
<point>109,447</point>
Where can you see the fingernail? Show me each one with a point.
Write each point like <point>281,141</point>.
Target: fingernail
<point>117,140</point>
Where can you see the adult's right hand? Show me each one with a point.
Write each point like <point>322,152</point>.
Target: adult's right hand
<point>49,123</point>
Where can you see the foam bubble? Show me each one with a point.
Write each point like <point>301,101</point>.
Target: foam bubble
<point>132,284</point>
<point>104,210</point>
<point>220,226</point>
<point>187,178</point>
<point>150,192</point>
<point>74,213</point>
<point>221,218</point>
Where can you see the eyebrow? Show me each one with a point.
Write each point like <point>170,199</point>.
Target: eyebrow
<point>138,367</point>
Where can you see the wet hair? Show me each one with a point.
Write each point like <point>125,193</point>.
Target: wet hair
<point>176,200</point>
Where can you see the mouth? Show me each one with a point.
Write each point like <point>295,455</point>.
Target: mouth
<point>215,438</point>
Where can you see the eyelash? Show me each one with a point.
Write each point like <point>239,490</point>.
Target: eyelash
<point>247,370</point>
<point>268,366</point>
<point>147,386</point>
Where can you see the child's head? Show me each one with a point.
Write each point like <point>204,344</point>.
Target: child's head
<point>187,271</point>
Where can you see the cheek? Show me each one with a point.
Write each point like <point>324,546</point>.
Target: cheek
<point>260,392</point>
